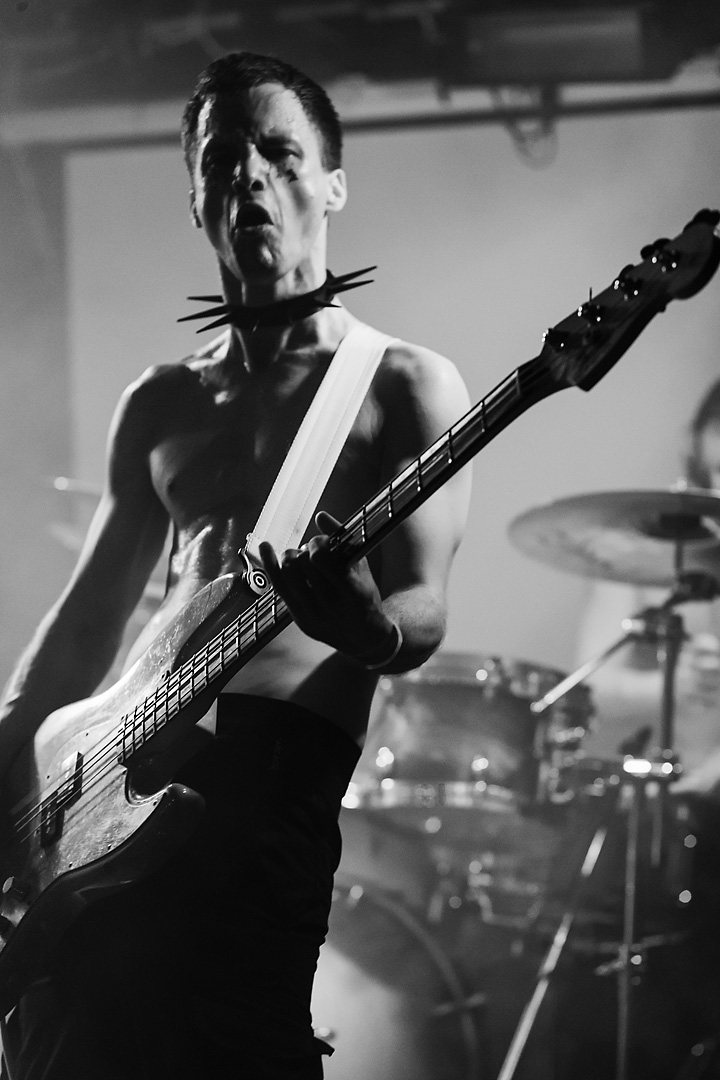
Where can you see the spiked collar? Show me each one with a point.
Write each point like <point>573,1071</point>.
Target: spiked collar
<point>282,312</point>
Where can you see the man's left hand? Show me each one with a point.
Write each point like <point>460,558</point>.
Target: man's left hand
<point>329,599</point>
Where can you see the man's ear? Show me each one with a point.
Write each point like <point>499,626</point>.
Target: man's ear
<point>337,190</point>
<point>193,212</point>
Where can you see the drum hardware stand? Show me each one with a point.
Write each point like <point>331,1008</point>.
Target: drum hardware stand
<point>663,626</point>
<point>552,958</point>
<point>630,958</point>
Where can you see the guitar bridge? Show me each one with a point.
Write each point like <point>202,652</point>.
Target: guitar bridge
<point>68,791</point>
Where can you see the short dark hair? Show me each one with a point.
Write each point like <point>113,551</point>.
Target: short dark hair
<point>707,412</point>
<point>240,71</point>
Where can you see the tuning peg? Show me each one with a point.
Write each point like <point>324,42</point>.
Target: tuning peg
<point>591,311</point>
<point>626,283</point>
<point>668,258</point>
<point>556,339</point>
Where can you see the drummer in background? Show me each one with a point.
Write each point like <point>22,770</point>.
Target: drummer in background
<point>627,688</point>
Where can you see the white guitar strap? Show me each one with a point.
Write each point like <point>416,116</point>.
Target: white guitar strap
<point>316,448</point>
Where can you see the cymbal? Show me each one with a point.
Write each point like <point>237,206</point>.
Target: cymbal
<point>634,537</point>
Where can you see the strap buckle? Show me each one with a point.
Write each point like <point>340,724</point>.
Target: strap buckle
<point>254,575</point>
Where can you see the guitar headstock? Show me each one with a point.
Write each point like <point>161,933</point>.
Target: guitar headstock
<point>579,350</point>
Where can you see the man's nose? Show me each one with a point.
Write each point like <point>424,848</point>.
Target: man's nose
<point>249,173</point>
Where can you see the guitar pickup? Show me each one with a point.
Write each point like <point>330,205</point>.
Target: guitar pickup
<point>68,791</point>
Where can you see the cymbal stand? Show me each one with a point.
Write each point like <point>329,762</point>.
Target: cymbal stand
<point>642,626</point>
<point>629,959</point>
<point>628,956</point>
<point>670,634</point>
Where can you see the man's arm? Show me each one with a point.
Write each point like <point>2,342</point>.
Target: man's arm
<point>76,643</point>
<point>421,395</point>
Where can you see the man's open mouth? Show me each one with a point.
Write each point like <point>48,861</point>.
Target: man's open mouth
<point>252,216</point>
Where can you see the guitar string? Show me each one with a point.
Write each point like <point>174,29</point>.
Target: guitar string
<point>103,756</point>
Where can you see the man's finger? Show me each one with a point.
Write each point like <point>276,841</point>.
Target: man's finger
<point>326,523</point>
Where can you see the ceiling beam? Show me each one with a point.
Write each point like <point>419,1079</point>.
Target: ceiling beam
<point>372,107</point>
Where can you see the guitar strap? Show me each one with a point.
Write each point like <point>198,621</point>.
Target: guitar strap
<point>315,448</point>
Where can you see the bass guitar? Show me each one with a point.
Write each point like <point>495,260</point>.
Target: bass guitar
<point>95,808</point>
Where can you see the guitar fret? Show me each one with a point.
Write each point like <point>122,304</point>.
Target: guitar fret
<point>229,649</point>
<point>142,725</point>
<point>135,739</point>
<point>126,733</point>
<point>248,637</point>
<point>130,733</point>
<point>148,718</point>
<point>174,702</point>
<point>199,678</point>
<point>215,666</point>
<point>211,666</point>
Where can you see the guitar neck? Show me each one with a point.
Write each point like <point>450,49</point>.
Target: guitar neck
<point>213,664</point>
<point>426,474</point>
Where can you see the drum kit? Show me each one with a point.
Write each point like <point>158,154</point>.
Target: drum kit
<point>478,832</point>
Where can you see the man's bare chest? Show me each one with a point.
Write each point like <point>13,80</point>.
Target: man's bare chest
<point>224,461</point>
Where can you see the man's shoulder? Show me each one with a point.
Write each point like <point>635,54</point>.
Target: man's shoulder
<point>412,359</point>
<point>168,377</point>
<point>408,368</point>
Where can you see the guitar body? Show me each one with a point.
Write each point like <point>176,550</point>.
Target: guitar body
<point>90,820</point>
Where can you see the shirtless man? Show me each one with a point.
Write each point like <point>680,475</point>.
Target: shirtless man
<point>205,967</point>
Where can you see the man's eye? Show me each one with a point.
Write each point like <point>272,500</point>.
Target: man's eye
<point>279,153</point>
<point>217,160</point>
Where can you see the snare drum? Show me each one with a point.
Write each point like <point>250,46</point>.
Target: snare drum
<point>458,734</point>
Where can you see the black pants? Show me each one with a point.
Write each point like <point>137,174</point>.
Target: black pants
<point>203,971</point>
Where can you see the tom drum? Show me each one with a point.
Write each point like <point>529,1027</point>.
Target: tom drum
<point>458,734</point>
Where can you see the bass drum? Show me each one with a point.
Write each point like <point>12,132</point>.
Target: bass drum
<point>387,998</point>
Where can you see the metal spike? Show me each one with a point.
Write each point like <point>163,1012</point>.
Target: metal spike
<point>207,314</point>
<point>352,285</point>
<point>352,274</point>
<point>211,326</point>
